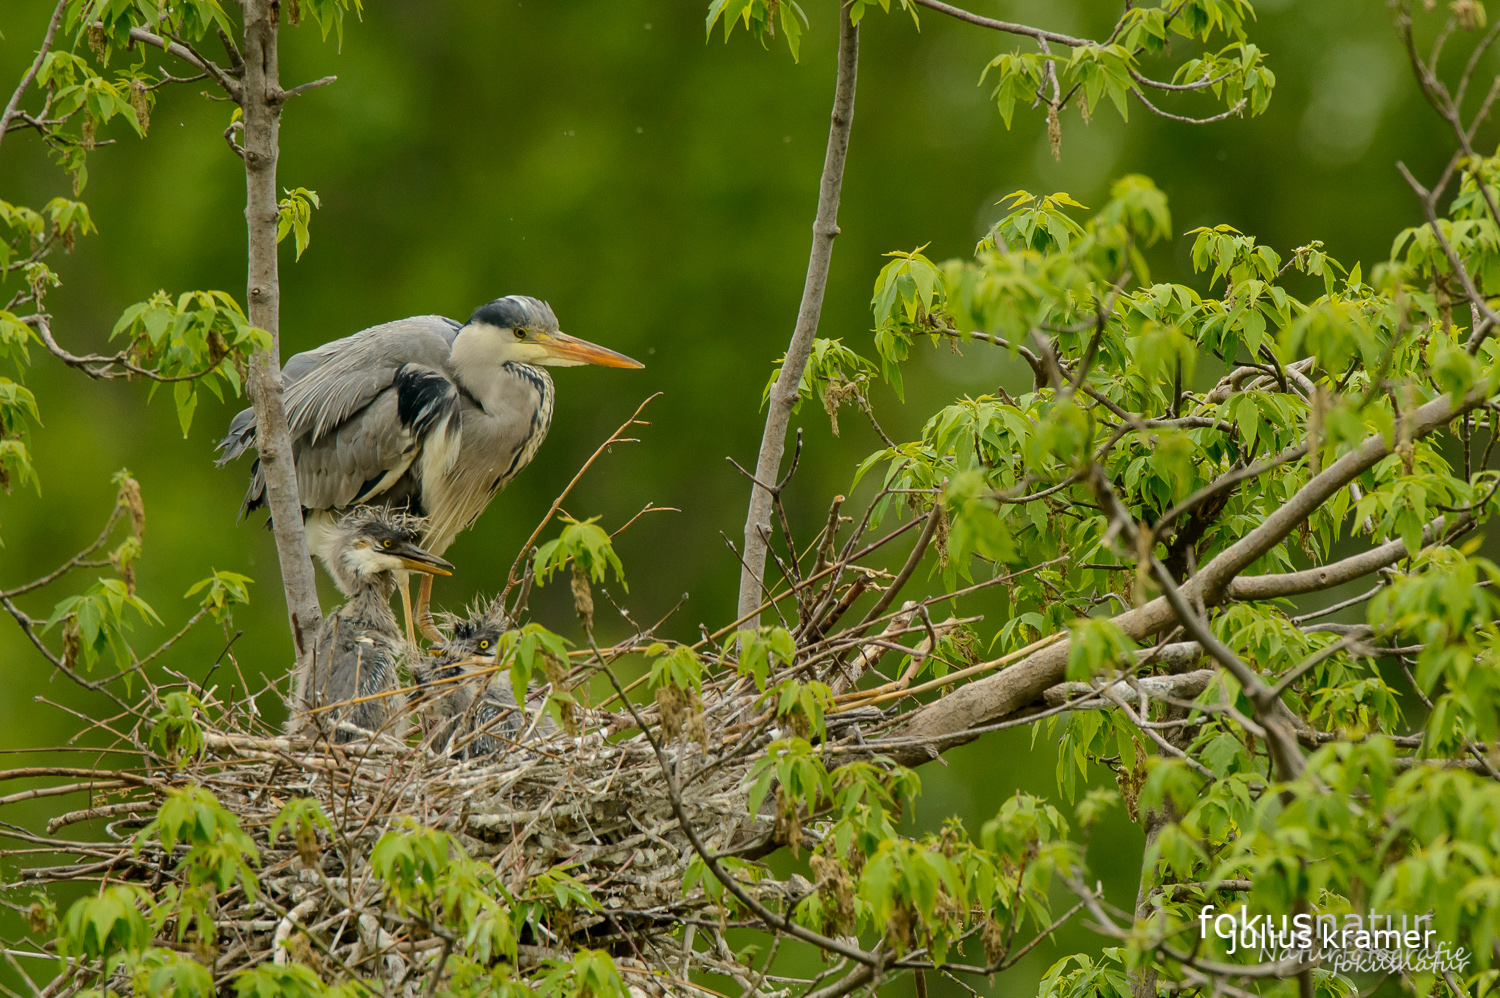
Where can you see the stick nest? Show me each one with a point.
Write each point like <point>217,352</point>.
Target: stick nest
<point>593,805</point>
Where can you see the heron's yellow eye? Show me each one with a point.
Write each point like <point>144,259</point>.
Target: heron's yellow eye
<point>484,644</point>
<point>520,334</point>
<point>387,542</point>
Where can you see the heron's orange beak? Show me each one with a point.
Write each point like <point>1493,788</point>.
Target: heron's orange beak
<point>417,560</point>
<point>567,349</point>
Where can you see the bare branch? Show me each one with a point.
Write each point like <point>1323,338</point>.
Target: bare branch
<point>1232,112</point>
<point>783,397</point>
<point>103,368</point>
<point>12,107</point>
<point>262,117</point>
<point>614,438</point>
<point>1009,27</point>
<point>284,95</point>
<point>231,86</point>
<point>1202,84</point>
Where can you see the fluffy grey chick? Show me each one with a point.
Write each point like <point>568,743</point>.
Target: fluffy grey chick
<point>360,644</point>
<point>476,717</point>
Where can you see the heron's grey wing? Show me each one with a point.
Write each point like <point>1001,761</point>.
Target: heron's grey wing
<point>360,367</point>
<point>325,385</point>
<point>370,453</point>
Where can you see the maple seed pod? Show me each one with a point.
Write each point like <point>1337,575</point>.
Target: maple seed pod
<point>696,729</point>
<point>41,922</point>
<point>672,705</point>
<point>126,570</point>
<point>993,937</point>
<point>307,844</point>
<point>217,348</point>
<point>583,597</point>
<point>129,499</point>
<point>1468,13</point>
<point>72,642</point>
<point>837,890</point>
<point>898,929</point>
<point>141,105</point>
<point>788,823</point>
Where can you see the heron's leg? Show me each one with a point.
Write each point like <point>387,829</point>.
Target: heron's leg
<point>404,582</point>
<point>424,612</point>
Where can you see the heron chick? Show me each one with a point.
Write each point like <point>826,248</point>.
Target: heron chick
<point>425,414</point>
<point>360,645</point>
<point>474,710</point>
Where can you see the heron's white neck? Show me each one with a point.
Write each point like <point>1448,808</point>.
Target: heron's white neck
<point>479,354</point>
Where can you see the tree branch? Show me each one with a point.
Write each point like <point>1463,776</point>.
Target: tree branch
<point>784,392</point>
<point>948,721</point>
<point>766,915</point>
<point>1311,580</point>
<point>262,117</point>
<point>1008,27</point>
<point>12,108</point>
<point>231,86</point>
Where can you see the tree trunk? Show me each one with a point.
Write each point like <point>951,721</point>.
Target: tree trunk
<point>261,104</point>
<point>784,392</point>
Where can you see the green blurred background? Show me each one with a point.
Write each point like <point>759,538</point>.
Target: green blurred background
<point>659,192</point>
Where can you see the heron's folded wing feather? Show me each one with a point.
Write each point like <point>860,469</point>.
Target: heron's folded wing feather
<point>365,456</point>
<point>327,384</point>
<point>352,371</point>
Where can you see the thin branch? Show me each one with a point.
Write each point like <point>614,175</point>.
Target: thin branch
<point>918,550</point>
<point>1009,27</point>
<point>1226,481</point>
<point>13,105</point>
<point>1232,112</point>
<point>284,95</point>
<point>98,366</point>
<point>614,438</point>
<point>766,915</point>
<point>1202,84</point>
<point>784,393</point>
<point>186,54</point>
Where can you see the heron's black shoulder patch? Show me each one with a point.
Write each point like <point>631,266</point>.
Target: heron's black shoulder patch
<point>423,398</point>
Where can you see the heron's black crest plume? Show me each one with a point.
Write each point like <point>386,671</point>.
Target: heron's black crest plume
<point>516,312</point>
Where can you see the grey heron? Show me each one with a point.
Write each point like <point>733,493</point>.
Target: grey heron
<point>424,414</point>
<point>360,645</point>
<point>475,710</point>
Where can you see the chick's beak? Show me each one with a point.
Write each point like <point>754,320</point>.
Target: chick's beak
<point>417,560</point>
<point>570,349</point>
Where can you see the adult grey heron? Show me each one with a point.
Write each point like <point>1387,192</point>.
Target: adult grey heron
<point>424,414</point>
<point>475,711</point>
<point>360,645</point>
